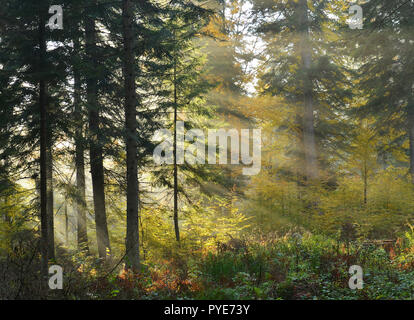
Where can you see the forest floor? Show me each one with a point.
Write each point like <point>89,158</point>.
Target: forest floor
<point>290,267</point>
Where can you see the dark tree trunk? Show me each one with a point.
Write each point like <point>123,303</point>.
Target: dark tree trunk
<point>66,224</point>
<point>82,234</point>
<point>6,215</point>
<point>95,143</point>
<point>176,226</point>
<point>411,137</point>
<point>43,149</point>
<point>365,183</point>
<point>50,198</point>
<point>132,234</point>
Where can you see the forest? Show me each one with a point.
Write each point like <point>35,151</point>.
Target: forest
<point>207,150</point>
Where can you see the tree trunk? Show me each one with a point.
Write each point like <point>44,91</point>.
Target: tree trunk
<point>43,149</point>
<point>176,226</point>
<point>66,224</point>
<point>82,234</point>
<point>50,198</point>
<point>95,147</point>
<point>411,137</point>
<point>310,154</point>
<point>132,234</point>
<point>365,183</point>
<point>6,215</point>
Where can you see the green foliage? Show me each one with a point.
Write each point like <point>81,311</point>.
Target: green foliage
<point>308,267</point>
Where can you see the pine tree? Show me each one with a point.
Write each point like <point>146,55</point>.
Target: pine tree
<point>301,65</point>
<point>95,134</point>
<point>184,89</point>
<point>34,83</point>
<point>385,51</point>
<point>132,236</point>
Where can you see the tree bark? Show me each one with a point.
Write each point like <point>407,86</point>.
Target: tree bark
<point>95,147</point>
<point>50,198</point>
<point>132,234</point>
<point>82,234</point>
<point>43,149</point>
<point>6,215</point>
<point>365,182</point>
<point>66,224</point>
<point>411,138</point>
<point>176,226</point>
